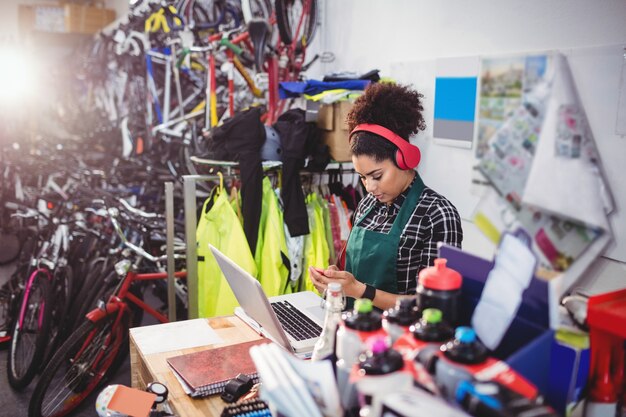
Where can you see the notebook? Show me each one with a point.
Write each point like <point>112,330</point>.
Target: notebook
<point>206,372</point>
<point>293,321</point>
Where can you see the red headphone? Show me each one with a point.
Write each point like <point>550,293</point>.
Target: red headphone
<point>407,157</point>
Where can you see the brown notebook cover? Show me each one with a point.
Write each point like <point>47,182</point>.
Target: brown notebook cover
<point>207,372</point>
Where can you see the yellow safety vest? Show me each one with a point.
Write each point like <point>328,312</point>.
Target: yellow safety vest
<point>221,228</point>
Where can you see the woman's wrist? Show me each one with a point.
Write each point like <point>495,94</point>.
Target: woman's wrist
<point>369,292</point>
<point>360,288</point>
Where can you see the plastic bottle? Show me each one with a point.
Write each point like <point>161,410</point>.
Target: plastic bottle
<point>379,374</point>
<point>464,349</point>
<point>440,287</point>
<point>428,334</point>
<point>355,328</point>
<point>333,304</point>
<point>397,320</point>
<point>422,343</point>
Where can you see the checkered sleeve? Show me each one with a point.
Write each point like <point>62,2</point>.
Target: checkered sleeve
<point>445,226</point>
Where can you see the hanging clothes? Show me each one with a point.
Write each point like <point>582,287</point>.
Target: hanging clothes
<point>272,254</point>
<point>220,227</point>
<point>295,251</point>
<point>316,251</point>
<point>294,134</point>
<point>335,229</point>
<point>241,138</point>
<point>328,233</point>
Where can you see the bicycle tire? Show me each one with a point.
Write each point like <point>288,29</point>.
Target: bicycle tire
<point>80,365</point>
<point>287,18</point>
<point>101,291</point>
<point>10,294</point>
<point>22,361</point>
<point>62,284</point>
<point>93,276</point>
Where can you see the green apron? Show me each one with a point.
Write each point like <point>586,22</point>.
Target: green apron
<point>371,256</point>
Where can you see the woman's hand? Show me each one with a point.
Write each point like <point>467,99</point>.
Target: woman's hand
<point>322,277</point>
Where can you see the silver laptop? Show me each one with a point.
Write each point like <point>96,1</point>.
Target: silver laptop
<point>294,321</point>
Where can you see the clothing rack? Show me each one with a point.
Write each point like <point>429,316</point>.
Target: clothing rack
<point>228,170</point>
<point>190,208</point>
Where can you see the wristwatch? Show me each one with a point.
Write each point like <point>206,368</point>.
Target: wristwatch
<point>369,293</point>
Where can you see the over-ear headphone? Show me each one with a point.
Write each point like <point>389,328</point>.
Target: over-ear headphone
<point>407,157</point>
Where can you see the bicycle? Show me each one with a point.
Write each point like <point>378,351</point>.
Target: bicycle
<point>45,300</point>
<point>96,349</point>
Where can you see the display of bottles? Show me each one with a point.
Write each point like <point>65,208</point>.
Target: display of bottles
<point>440,287</point>
<point>333,304</point>
<point>397,320</point>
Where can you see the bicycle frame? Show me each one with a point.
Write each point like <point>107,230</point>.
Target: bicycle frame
<point>118,302</point>
<point>29,285</point>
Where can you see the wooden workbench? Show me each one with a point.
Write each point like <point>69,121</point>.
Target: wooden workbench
<point>153,367</point>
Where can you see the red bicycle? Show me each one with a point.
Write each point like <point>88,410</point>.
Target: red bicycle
<point>98,347</point>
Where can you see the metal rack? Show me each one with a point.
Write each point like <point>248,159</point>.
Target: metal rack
<point>189,195</point>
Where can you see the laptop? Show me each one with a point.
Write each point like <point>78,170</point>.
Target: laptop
<point>294,321</point>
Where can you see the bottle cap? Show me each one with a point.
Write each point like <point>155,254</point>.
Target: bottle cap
<point>363,305</point>
<point>432,315</point>
<point>465,334</point>
<point>334,287</point>
<point>377,345</point>
<point>440,277</point>
<point>404,313</point>
<point>363,317</point>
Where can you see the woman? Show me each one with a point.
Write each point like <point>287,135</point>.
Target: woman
<point>398,224</point>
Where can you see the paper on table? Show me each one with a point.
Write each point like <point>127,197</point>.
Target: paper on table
<point>174,336</point>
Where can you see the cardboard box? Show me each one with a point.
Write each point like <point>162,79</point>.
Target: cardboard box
<point>63,18</point>
<point>87,19</point>
<point>48,17</point>
<point>331,118</point>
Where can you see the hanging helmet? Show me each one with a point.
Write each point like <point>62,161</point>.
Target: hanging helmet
<point>272,149</point>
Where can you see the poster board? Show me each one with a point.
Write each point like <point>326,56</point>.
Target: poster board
<point>597,75</point>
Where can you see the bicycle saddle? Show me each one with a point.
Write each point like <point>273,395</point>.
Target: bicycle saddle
<point>260,32</point>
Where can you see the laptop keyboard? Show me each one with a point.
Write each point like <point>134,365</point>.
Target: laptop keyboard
<point>298,325</point>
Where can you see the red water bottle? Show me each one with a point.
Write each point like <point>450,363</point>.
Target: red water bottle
<point>440,287</point>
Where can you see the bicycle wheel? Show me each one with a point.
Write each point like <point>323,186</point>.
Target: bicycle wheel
<point>296,19</point>
<point>30,332</point>
<point>62,284</point>
<point>10,294</point>
<point>87,358</point>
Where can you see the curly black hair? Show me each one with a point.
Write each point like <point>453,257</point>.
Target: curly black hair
<point>396,107</point>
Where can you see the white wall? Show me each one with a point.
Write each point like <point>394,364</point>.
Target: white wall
<point>368,34</point>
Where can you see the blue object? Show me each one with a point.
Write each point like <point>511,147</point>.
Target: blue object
<point>465,334</point>
<point>455,98</point>
<point>468,387</point>
<point>292,89</point>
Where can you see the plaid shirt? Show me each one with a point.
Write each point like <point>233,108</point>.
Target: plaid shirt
<point>433,220</point>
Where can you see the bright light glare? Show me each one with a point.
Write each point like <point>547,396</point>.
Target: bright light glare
<point>18,79</point>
